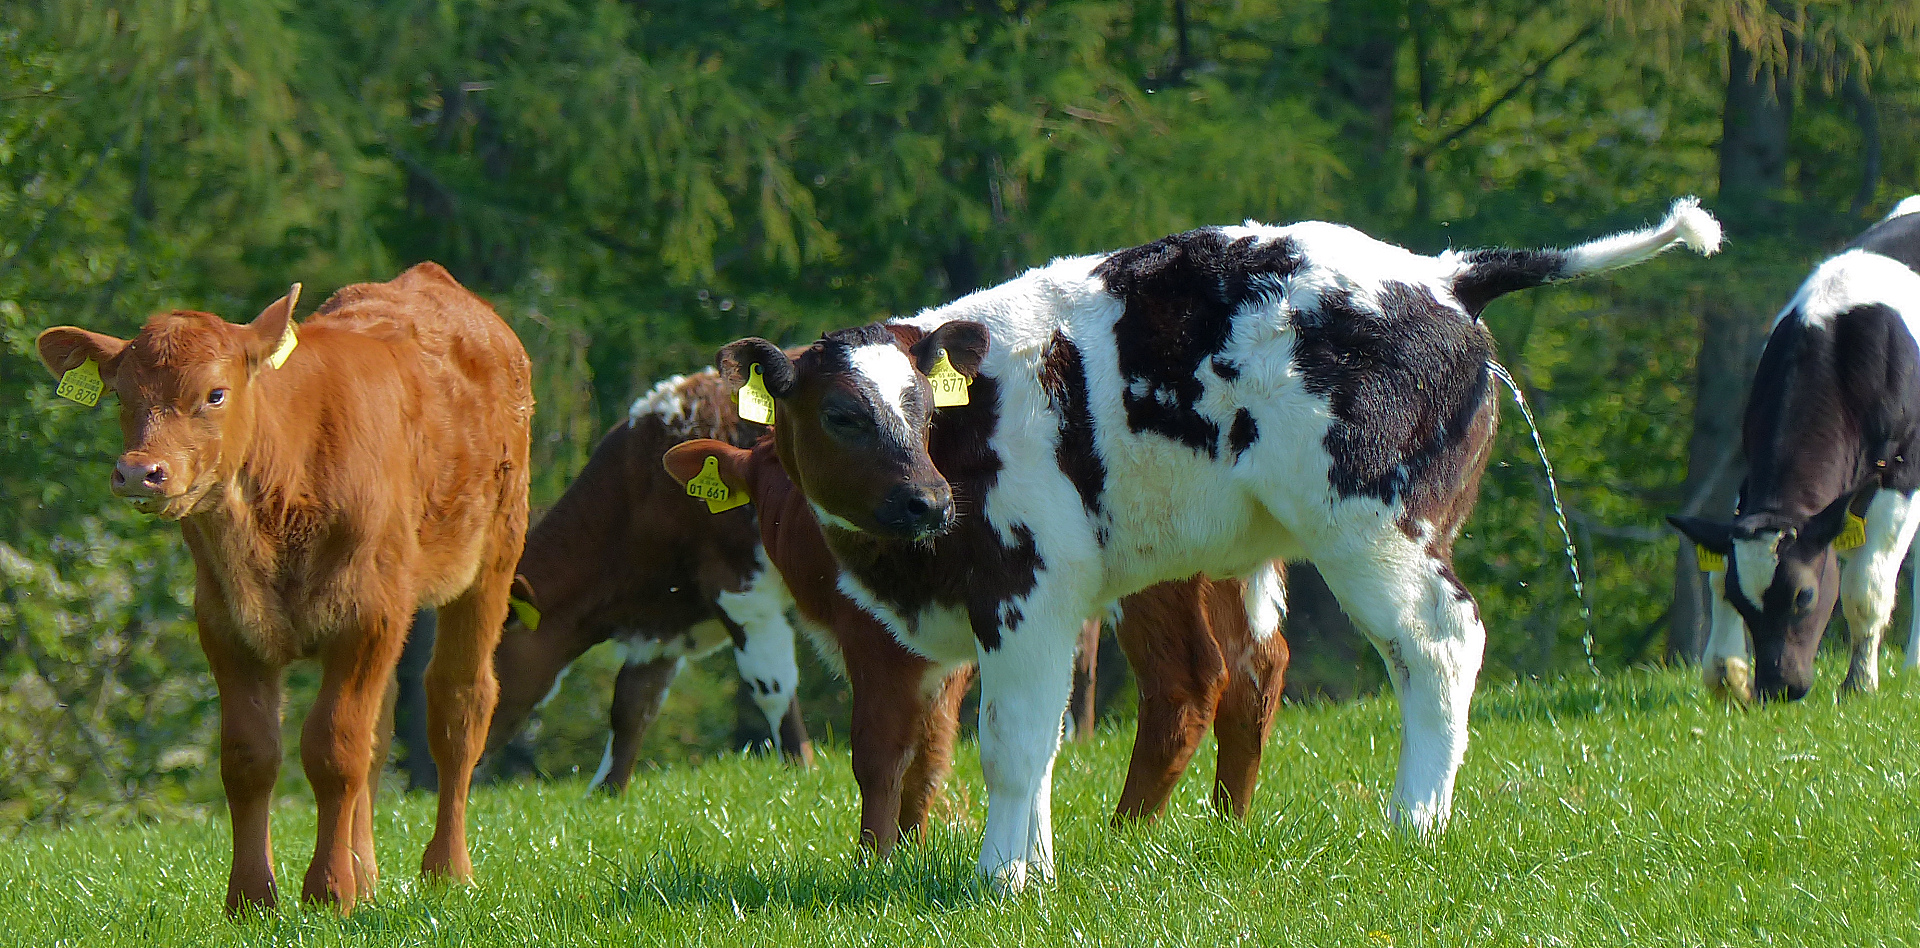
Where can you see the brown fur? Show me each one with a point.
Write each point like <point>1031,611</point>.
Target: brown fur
<point>382,468</point>
<point>625,552</point>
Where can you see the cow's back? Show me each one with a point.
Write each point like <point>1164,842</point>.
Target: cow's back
<point>458,408</point>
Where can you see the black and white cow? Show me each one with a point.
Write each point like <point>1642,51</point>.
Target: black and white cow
<point>1832,427</point>
<point>1204,403</point>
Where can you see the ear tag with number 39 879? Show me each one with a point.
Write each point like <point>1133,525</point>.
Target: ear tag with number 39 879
<point>949,386</point>
<point>81,384</point>
<point>708,486</point>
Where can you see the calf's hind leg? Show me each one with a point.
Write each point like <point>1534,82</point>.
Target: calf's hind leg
<point>460,700</point>
<point>1427,628</point>
<point>1165,634</point>
<point>638,692</point>
<point>1256,673</point>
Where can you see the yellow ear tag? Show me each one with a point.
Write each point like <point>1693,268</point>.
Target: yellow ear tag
<point>708,487</point>
<point>525,611</point>
<point>287,339</point>
<point>1854,536</point>
<point>949,386</point>
<point>81,384</point>
<point>1709,561</point>
<point>755,405</point>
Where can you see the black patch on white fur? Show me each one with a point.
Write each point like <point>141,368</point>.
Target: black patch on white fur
<point>1063,375</point>
<point>1243,433</point>
<point>1407,384</point>
<point>1180,295</point>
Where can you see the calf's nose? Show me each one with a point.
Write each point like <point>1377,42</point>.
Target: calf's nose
<point>139,477</point>
<point>916,509</point>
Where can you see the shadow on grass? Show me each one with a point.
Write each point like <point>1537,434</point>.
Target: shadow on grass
<point>935,873</point>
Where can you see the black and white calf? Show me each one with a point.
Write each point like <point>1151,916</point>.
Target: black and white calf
<point>1831,428</point>
<point>1204,403</point>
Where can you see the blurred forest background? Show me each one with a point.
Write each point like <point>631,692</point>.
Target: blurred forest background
<point>634,183</point>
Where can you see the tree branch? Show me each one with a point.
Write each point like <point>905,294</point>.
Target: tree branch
<point>1421,157</point>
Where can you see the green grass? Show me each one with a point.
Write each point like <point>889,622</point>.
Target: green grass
<point>1625,811</point>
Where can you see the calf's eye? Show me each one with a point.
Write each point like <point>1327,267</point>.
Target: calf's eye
<point>216,398</point>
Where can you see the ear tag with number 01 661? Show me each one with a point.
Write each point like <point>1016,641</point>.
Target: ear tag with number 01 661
<point>81,384</point>
<point>755,403</point>
<point>949,386</point>
<point>1854,536</point>
<point>1709,561</point>
<point>708,486</point>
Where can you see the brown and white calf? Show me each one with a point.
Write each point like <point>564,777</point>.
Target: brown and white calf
<point>381,466</point>
<point>1205,403</point>
<point>626,555</point>
<point>1199,655</point>
<point>1832,436</point>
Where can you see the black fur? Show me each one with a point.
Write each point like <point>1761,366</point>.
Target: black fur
<point>1494,272</point>
<point>1180,295</point>
<point>1405,385</point>
<point>1064,377</point>
<point>1243,433</point>
<point>1898,238</point>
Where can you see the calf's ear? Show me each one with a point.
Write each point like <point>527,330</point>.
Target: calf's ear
<point>523,590</point>
<point>776,370</point>
<point>963,340</point>
<point>684,461</point>
<point>63,348</point>
<point>1716,537</point>
<point>269,331</point>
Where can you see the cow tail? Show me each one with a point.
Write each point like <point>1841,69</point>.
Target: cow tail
<point>1485,275</point>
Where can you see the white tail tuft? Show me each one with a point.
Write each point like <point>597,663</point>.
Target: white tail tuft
<point>1687,222</point>
<point>1696,228</point>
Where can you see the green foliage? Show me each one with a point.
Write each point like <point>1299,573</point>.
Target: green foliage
<point>636,184</point>
<point>1630,810</point>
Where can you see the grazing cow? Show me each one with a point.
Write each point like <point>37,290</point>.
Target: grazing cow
<point>326,492</point>
<point>1832,438</point>
<point>626,555</point>
<point>1205,403</point>
<point>1198,653</point>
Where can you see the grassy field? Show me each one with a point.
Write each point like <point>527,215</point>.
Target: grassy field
<point>1623,811</point>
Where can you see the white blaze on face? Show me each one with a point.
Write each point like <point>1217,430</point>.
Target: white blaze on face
<point>1757,558</point>
<point>886,371</point>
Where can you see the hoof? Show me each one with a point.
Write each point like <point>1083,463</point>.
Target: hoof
<point>1008,879</point>
<point>1731,679</point>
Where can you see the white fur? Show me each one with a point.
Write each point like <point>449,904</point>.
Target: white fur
<point>1266,602</point>
<point>1869,579</point>
<point>1854,279</point>
<point>1170,511</point>
<point>1757,559</point>
<point>1686,223</point>
<point>890,375</point>
<point>666,401</point>
<point>1906,206</point>
<point>760,609</point>
<point>832,520</point>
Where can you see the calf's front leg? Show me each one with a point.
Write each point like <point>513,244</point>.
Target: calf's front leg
<point>1024,685</point>
<point>336,748</point>
<point>249,759</point>
<point>1869,581</point>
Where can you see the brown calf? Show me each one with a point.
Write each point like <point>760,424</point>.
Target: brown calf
<point>625,554</point>
<point>905,706</point>
<point>381,466</point>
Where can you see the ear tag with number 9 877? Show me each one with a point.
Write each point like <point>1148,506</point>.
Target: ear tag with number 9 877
<point>949,386</point>
<point>755,403</point>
